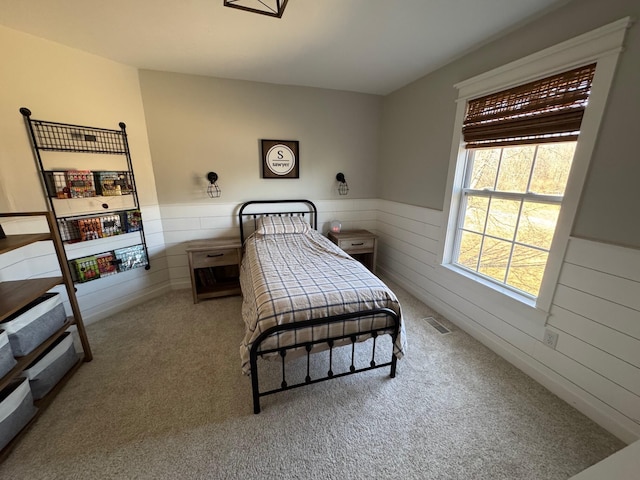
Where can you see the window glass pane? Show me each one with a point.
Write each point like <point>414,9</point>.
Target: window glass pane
<point>527,268</point>
<point>484,169</point>
<point>551,171</point>
<point>503,216</point>
<point>537,224</point>
<point>469,250</point>
<point>476,213</point>
<point>495,258</point>
<point>508,239</point>
<point>515,168</point>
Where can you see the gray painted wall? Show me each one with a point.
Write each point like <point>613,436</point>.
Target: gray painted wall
<point>417,123</point>
<point>200,124</point>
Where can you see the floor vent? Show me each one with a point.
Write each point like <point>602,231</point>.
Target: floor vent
<point>438,326</point>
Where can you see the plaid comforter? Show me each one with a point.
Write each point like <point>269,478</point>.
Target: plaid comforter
<point>293,277</point>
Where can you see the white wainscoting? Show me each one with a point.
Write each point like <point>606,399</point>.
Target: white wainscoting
<point>596,309</point>
<point>106,296</point>
<point>183,223</point>
<point>596,312</point>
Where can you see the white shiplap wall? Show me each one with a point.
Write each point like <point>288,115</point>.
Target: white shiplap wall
<point>183,223</point>
<point>107,296</point>
<point>168,228</point>
<point>596,312</point>
<point>100,298</point>
<point>596,308</point>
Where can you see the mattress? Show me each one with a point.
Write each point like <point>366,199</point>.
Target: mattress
<point>291,277</point>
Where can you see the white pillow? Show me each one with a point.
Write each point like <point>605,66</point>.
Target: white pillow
<point>281,224</point>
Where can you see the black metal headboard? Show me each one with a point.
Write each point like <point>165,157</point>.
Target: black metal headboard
<point>276,207</point>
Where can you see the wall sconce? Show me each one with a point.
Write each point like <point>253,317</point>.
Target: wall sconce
<point>343,187</point>
<point>213,190</point>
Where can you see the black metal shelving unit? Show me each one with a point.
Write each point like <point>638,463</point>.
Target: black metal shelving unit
<point>47,136</point>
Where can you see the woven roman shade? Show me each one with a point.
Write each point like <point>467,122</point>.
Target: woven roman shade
<point>546,110</point>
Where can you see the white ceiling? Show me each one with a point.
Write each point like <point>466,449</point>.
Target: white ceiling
<point>370,46</point>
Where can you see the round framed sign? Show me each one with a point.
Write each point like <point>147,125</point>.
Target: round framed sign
<point>280,159</point>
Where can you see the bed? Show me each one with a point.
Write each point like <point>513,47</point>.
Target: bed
<point>302,295</point>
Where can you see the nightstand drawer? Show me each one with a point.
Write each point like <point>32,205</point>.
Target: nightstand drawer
<point>356,244</point>
<point>215,258</point>
<point>360,244</point>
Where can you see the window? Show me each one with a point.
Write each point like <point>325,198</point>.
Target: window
<point>511,201</point>
<point>517,170</point>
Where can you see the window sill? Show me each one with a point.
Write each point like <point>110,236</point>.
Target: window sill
<point>495,298</point>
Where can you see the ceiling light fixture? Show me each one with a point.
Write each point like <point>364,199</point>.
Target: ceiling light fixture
<point>271,8</point>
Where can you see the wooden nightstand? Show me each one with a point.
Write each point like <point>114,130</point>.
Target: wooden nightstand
<point>360,244</point>
<point>215,267</point>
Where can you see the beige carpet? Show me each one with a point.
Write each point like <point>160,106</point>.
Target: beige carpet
<point>165,398</point>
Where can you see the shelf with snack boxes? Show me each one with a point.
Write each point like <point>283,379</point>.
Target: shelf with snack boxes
<point>85,228</point>
<point>104,264</point>
<point>84,192</point>
<point>86,183</point>
<point>89,183</point>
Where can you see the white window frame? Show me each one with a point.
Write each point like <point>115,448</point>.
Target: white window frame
<point>602,46</point>
<point>467,192</point>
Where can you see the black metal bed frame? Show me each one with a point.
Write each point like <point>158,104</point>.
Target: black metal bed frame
<point>311,210</point>
<point>256,350</point>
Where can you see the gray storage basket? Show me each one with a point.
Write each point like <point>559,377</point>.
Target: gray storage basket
<point>34,323</point>
<point>16,409</point>
<point>49,368</point>
<point>7,362</point>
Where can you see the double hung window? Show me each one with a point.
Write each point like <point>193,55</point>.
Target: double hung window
<point>519,145</point>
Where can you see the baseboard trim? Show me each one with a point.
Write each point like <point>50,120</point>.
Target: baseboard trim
<point>180,284</point>
<point>148,294</point>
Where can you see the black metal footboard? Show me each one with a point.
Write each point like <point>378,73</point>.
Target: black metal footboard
<point>255,351</point>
